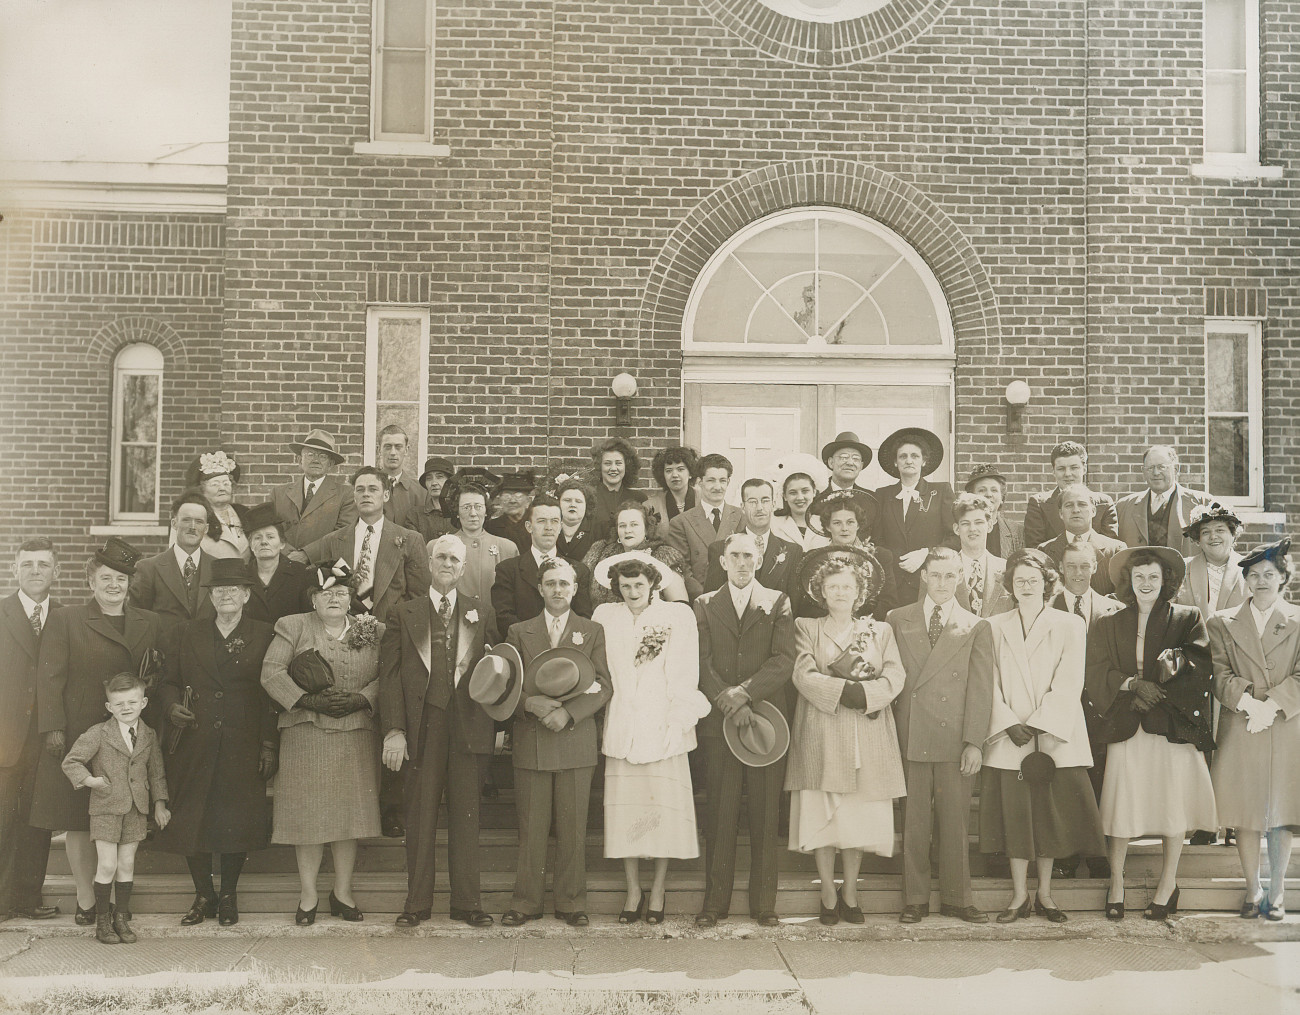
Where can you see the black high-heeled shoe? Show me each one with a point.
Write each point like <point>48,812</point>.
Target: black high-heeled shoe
<point>1155,911</point>
<point>1015,913</point>
<point>85,917</point>
<point>1053,913</point>
<point>654,917</point>
<point>306,917</point>
<point>830,917</point>
<point>351,913</point>
<point>634,915</point>
<point>1114,910</point>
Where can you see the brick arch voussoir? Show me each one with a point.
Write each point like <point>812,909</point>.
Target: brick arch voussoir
<point>124,331</point>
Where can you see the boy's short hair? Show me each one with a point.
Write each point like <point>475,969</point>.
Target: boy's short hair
<point>125,681</point>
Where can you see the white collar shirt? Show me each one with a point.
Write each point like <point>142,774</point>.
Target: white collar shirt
<point>1261,619</point>
<point>29,604</point>
<point>182,556</point>
<point>125,729</point>
<point>437,597</point>
<point>945,611</point>
<point>1085,604</point>
<point>539,556</point>
<point>555,627</point>
<point>1159,500</point>
<point>740,597</point>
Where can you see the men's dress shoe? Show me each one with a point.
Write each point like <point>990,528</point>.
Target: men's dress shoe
<point>968,913</point>
<point>408,919</point>
<point>706,920</point>
<point>202,908</point>
<point>473,917</point>
<point>514,918</point>
<point>35,912</point>
<point>227,910</point>
<point>1203,838</point>
<point>1098,867</point>
<point>392,826</point>
<point>768,919</point>
<point>577,918</point>
<point>84,917</point>
<point>914,914</point>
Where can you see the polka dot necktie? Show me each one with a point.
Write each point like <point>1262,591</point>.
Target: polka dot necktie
<point>936,627</point>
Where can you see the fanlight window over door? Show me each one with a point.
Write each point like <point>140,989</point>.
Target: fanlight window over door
<point>818,280</point>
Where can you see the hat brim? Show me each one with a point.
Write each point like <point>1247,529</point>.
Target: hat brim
<point>731,733</point>
<point>813,559</point>
<point>926,440</point>
<point>970,483</point>
<point>586,671</point>
<point>300,447</point>
<point>245,581</point>
<point>116,565</point>
<point>1169,556</point>
<point>857,446</point>
<point>506,708</point>
<point>864,499</point>
<point>601,571</point>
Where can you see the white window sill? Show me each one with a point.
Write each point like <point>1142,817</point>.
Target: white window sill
<point>419,149</point>
<point>129,529</point>
<point>1256,516</point>
<point>1226,171</point>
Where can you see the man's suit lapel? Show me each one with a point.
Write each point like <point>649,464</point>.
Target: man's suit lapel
<point>535,637</point>
<point>20,625</point>
<point>1143,513</point>
<point>915,634</point>
<point>469,636</point>
<point>387,559</point>
<point>722,607</point>
<point>112,737</point>
<point>950,640</point>
<point>698,519</point>
<point>170,572</point>
<point>295,495</point>
<point>420,630</point>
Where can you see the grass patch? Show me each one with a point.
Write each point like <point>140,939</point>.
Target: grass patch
<point>267,999</point>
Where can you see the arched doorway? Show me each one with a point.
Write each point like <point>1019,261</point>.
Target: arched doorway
<point>809,322</point>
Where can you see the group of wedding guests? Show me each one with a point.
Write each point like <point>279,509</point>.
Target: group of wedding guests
<point>362,642</point>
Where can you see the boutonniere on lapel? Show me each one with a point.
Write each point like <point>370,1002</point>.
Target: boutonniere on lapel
<point>1278,628</point>
<point>471,616</point>
<point>577,637</point>
<point>780,558</point>
<point>399,541</point>
<point>364,632</point>
<point>653,639</point>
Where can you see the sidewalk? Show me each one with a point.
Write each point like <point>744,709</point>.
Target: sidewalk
<point>1205,964</point>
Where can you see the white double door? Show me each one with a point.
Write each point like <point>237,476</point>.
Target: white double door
<point>756,424</point>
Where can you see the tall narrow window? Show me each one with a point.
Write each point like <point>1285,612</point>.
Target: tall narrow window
<point>1232,82</point>
<point>1234,412</point>
<point>397,378</point>
<point>402,70</point>
<point>137,432</point>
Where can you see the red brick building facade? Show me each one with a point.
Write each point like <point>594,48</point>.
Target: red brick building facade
<point>1070,181</point>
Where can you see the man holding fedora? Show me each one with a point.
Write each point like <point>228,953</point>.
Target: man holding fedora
<point>942,719</point>
<point>433,521</point>
<point>915,513</point>
<point>316,503</point>
<point>431,645</point>
<point>566,682</point>
<point>170,583</point>
<point>746,662</point>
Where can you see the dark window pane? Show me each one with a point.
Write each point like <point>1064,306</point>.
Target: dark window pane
<point>1230,457</point>
<point>138,472</point>
<point>404,23</point>
<point>403,93</point>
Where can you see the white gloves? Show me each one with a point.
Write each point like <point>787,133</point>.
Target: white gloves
<point>912,560</point>
<point>1259,714</point>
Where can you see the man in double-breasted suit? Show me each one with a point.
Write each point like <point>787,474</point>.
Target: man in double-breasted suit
<point>915,513</point>
<point>1077,511</point>
<point>515,594</point>
<point>554,750</point>
<point>390,558</point>
<point>1157,515</point>
<point>981,590</point>
<point>24,850</point>
<point>1043,510</point>
<point>779,558</point>
<point>692,532</point>
<point>170,583</point>
<point>1078,564</point>
<point>437,731</point>
<point>316,503</point>
<point>746,656</point>
<point>943,718</point>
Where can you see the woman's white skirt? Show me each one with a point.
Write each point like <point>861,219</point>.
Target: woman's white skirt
<point>1153,787</point>
<point>650,809</point>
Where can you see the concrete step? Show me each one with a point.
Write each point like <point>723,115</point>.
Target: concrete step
<point>798,894</point>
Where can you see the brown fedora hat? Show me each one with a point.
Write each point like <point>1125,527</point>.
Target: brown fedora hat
<point>496,682</point>
<point>319,440</point>
<point>559,673</point>
<point>764,741</point>
<point>846,439</point>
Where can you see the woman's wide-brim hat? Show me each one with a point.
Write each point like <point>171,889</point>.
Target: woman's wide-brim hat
<point>799,461</point>
<point>865,562</point>
<point>225,571</point>
<point>319,440</point>
<point>1170,558</point>
<point>1212,512</point>
<point>559,673</point>
<point>601,573</point>
<point>828,501</point>
<point>764,741</point>
<point>498,681</point>
<point>846,439</point>
<point>209,465</point>
<point>924,439</point>
<point>1274,553</point>
<point>262,516</point>
<point>118,554</point>
<point>436,464</point>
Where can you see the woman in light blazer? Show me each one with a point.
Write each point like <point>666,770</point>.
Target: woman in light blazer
<point>1256,651</point>
<point>1037,706</point>
<point>845,769</point>
<point>653,650</point>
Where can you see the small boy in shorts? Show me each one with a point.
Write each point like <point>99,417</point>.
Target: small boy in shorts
<point>120,762</point>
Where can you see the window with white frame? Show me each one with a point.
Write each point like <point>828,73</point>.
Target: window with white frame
<point>1232,82</point>
<point>401,81</point>
<point>137,433</point>
<point>1234,411</point>
<point>397,378</point>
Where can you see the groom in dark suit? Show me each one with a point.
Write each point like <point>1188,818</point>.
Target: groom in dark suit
<point>430,723</point>
<point>746,655</point>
